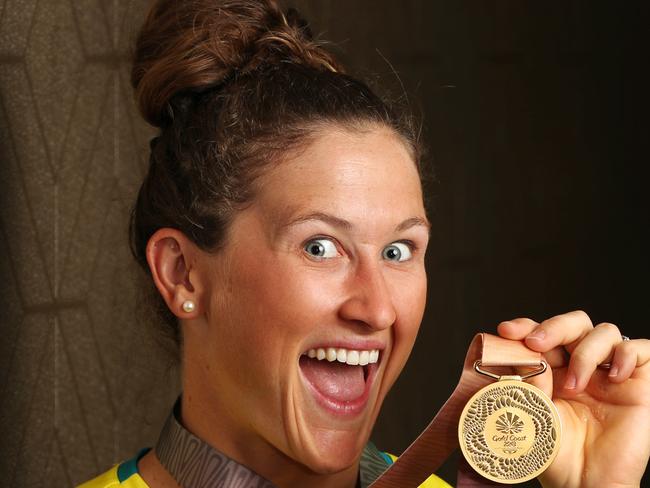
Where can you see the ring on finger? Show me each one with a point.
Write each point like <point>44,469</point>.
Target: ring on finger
<point>609,364</point>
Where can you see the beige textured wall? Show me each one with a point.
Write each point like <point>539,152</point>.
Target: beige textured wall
<point>82,384</point>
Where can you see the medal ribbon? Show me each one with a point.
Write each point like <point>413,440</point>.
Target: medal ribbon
<point>193,463</point>
<point>434,445</point>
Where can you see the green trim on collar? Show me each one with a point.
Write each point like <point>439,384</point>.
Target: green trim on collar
<point>130,467</point>
<point>372,464</point>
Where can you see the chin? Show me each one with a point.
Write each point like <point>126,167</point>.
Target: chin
<point>330,465</point>
<point>334,454</point>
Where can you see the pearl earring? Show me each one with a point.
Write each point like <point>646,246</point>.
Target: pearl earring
<point>188,306</point>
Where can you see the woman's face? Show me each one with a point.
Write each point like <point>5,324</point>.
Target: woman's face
<point>327,261</point>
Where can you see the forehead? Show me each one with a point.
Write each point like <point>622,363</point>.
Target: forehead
<point>351,172</point>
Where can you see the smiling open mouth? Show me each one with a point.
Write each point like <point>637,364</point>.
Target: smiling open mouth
<point>340,378</point>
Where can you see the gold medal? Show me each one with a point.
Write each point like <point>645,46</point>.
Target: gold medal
<point>509,431</point>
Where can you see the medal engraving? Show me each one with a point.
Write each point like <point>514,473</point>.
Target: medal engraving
<point>509,431</point>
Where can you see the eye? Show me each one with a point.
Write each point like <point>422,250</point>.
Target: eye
<point>321,248</point>
<point>397,251</point>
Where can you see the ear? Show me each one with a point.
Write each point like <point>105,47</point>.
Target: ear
<point>170,256</point>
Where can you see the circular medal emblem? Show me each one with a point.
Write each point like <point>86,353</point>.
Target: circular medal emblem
<point>509,431</point>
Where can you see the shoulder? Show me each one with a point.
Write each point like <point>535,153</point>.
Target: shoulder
<point>123,475</point>
<point>432,481</point>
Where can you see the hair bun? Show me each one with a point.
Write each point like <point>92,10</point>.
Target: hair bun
<point>193,45</point>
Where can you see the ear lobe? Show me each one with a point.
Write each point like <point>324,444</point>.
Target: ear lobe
<point>169,255</point>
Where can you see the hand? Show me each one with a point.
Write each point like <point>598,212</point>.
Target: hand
<point>605,413</point>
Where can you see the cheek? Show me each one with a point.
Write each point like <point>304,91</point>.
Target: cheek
<point>410,301</point>
<point>252,331</point>
<point>273,303</point>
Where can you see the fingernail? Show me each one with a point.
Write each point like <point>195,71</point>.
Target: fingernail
<point>570,382</point>
<point>613,371</point>
<point>537,335</point>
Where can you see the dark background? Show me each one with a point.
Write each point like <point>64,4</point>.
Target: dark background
<point>536,118</point>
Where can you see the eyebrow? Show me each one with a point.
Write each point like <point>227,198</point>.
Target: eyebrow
<point>346,225</point>
<point>412,222</point>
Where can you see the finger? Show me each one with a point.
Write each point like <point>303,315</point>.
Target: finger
<point>516,329</point>
<point>561,330</point>
<point>595,348</point>
<point>556,357</point>
<point>630,392</point>
<point>629,355</point>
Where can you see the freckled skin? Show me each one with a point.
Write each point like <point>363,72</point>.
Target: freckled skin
<point>266,299</point>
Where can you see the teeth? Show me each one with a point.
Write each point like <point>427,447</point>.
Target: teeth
<point>364,358</point>
<point>341,355</point>
<point>353,358</point>
<point>348,356</point>
<point>374,356</point>
<point>331,354</point>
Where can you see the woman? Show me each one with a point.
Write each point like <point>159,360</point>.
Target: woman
<point>283,225</point>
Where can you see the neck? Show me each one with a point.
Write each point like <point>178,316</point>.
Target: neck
<point>212,426</point>
<point>193,463</point>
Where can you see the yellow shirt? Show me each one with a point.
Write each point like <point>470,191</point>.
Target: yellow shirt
<point>123,475</point>
<point>126,475</point>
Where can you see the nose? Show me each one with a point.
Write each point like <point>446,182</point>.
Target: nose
<point>369,300</point>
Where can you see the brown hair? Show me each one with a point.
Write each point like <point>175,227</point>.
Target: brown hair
<point>233,85</point>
